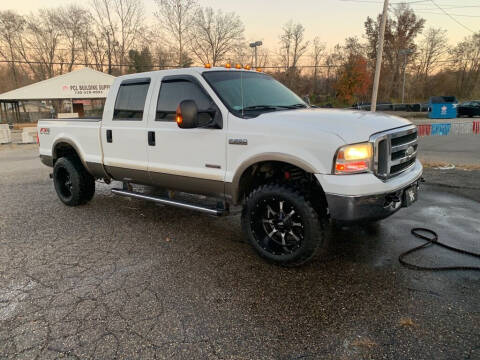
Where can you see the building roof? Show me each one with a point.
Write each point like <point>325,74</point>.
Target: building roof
<point>84,83</point>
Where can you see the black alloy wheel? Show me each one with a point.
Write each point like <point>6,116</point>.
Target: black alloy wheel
<point>282,225</point>
<point>65,185</point>
<point>277,226</point>
<point>73,184</point>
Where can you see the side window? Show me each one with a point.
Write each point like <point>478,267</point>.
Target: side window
<point>130,100</point>
<point>173,93</point>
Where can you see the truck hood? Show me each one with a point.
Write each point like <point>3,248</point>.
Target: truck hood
<point>351,126</point>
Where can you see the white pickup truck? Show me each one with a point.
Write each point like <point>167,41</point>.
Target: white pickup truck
<point>242,138</point>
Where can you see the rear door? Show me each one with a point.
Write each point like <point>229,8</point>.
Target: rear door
<point>124,134</point>
<point>191,160</point>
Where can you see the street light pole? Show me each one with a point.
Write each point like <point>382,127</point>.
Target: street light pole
<point>254,45</point>
<point>378,66</point>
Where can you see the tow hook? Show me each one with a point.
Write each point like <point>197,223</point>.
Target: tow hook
<point>391,198</point>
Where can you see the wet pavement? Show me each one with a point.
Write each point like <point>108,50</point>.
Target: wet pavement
<point>126,279</point>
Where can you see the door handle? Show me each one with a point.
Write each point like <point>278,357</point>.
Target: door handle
<point>151,138</point>
<point>109,136</point>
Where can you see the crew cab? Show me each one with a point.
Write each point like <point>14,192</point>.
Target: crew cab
<point>239,137</point>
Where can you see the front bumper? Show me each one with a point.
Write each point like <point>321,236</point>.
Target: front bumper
<point>366,207</point>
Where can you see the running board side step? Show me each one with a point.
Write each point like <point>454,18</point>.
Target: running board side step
<point>180,204</point>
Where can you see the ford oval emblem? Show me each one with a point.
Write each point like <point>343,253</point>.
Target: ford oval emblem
<point>410,150</point>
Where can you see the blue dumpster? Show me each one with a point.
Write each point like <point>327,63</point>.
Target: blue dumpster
<point>442,107</point>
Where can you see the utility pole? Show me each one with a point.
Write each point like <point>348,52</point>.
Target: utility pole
<point>254,45</point>
<point>405,53</point>
<point>109,53</point>
<point>378,66</point>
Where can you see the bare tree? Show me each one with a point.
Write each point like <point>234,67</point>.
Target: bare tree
<point>95,45</point>
<point>292,43</point>
<point>292,47</point>
<point>215,35</point>
<point>431,51</point>
<point>317,56</point>
<point>466,63</point>
<point>40,47</point>
<point>74,22</point>
<point>121,24</point>
<point>176,18</point>
<point>11,27</point>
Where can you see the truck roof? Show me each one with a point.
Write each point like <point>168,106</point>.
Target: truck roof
<point>180,71</point>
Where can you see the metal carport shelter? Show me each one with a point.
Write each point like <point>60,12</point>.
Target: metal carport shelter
<point>84,83</point>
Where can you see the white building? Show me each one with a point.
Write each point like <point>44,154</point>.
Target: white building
<point>78,90</point>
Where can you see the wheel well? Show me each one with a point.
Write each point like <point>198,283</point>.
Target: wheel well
<point>64,149</point>
<point>267,172</point>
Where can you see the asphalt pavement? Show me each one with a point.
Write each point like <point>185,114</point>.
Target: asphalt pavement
<point>125,279</point>
<point>454,149</point>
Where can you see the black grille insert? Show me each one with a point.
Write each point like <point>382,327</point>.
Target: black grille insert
<point>399,167</point>
<point>404,139</point>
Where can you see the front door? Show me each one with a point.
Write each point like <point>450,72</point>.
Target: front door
<point>124,133</point>
<point>190,160</point>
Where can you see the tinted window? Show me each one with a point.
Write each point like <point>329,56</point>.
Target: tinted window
<point>173,93</point>
<point>130,101</point>
<point>244,89</point>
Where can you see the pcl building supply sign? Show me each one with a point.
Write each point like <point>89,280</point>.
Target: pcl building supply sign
<point>87,90</point>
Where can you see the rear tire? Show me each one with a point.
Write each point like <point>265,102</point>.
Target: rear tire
<point>282,225</point>
<point>73,184</point>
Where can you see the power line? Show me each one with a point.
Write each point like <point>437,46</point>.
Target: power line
<point>148,66</point>
<point>437,13</point>
<point>451,17</point>
<point>447,8</point>
<point>36,62</point>
<point>28,62</point>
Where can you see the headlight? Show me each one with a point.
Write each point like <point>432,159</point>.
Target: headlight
<point>353,159</point>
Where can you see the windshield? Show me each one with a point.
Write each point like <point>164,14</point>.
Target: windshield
<point>250,93</point>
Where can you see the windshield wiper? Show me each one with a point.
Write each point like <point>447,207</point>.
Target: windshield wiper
<point>260,107</point>
<point>274,107</point>
<point>294,106</point>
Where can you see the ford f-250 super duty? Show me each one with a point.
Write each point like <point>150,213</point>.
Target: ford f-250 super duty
<point>245,139</point>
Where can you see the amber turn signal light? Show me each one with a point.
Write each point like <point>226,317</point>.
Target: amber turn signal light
<point>228,66</point>
<point>208,66</point>
<point>238,66</point>
<point>178,116</point>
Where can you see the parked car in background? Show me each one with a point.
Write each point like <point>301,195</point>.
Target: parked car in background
<point>469,108</point>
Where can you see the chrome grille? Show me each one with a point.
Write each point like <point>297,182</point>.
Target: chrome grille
<point>395,151</point>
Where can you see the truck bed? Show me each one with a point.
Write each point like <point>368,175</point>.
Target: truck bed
<point>82,134</point>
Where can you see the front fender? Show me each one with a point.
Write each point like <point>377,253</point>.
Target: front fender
<point>232,189</point>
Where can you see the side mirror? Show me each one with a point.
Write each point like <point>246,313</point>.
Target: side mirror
<point>187,115</point>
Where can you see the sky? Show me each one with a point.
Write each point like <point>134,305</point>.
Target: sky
<point>331,20</point>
